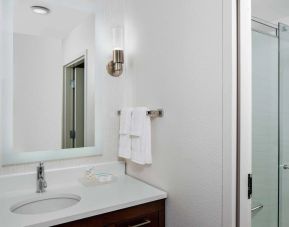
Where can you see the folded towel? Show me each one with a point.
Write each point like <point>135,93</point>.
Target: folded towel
<point>141,136</point>
<point>124,149</point>
<point>125,121</point>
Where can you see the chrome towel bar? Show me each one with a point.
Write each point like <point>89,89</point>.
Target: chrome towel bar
<point>151,113</point>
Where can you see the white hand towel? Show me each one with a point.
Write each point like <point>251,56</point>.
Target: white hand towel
<point>124,149</point>
<point>141,136</point>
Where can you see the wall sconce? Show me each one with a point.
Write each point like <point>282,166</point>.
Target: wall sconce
<point>115,67</point>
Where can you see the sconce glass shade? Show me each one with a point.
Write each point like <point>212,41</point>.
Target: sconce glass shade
<point>117,38</point>
<point>115,67</point>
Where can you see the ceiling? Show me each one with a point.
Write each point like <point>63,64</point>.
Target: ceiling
<point>271,10</point>
<point>65,15</point>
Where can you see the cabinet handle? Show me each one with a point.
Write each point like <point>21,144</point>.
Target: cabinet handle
<point>146,222</point>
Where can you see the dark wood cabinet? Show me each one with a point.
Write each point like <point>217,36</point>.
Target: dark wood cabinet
<point>145,215</point>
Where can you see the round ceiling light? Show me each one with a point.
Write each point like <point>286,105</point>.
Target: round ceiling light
<point>40,10</point>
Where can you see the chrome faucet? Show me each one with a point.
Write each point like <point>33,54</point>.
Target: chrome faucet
<point>41,183</point>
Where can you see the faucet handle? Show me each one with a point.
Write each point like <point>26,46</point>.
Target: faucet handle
<point>41,183</point>
<point>44,183</point>
<point>40,170</point>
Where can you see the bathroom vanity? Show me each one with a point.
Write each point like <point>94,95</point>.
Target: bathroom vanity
<point>125,201</point>
<point>148,214</point>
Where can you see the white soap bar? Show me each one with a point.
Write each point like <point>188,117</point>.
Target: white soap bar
<point>103,177</point>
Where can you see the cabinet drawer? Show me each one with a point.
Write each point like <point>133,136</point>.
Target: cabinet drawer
<point>149,220</point>
<point>150,214</point>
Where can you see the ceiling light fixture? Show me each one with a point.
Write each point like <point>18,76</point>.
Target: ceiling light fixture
<point>40,10</point>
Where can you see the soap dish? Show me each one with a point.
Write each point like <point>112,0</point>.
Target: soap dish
<point>93,179</point>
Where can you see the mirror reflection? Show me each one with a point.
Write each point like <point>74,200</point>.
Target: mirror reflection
<point>53,76</point>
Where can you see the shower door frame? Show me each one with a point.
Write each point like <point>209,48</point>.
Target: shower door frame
<point>244,113</point>
<point>229,118</point>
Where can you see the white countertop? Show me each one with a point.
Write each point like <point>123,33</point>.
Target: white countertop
<point>124,192</point>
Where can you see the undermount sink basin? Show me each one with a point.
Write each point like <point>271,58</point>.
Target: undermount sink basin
<point>45,204</point>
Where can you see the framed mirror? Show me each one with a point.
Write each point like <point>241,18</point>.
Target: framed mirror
<point>48,80</point>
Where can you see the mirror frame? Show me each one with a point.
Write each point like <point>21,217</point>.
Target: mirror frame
<point>12,157</point>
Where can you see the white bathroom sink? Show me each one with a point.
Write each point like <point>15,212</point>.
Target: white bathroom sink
<point>45,203</point>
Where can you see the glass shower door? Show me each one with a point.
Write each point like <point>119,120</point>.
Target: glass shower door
<point>265,129</point>
<point>270,141</point>
<point>283,125</point>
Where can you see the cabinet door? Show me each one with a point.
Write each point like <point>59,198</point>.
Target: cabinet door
<point>149,220</point>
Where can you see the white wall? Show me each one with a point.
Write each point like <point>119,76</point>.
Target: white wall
<point>174,58</point>
<point>80,40</point>
<point>37,93</point>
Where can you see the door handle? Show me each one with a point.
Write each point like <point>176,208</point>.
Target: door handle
<point>285,166</point>
<point>257,208</point>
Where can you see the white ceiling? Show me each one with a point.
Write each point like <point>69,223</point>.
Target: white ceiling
<point>271,10</point>
<point>64,16</point>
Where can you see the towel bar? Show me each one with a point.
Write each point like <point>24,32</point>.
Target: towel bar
<point>151,113</point>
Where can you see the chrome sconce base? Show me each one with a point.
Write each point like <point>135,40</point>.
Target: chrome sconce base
<point>115,67</point>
